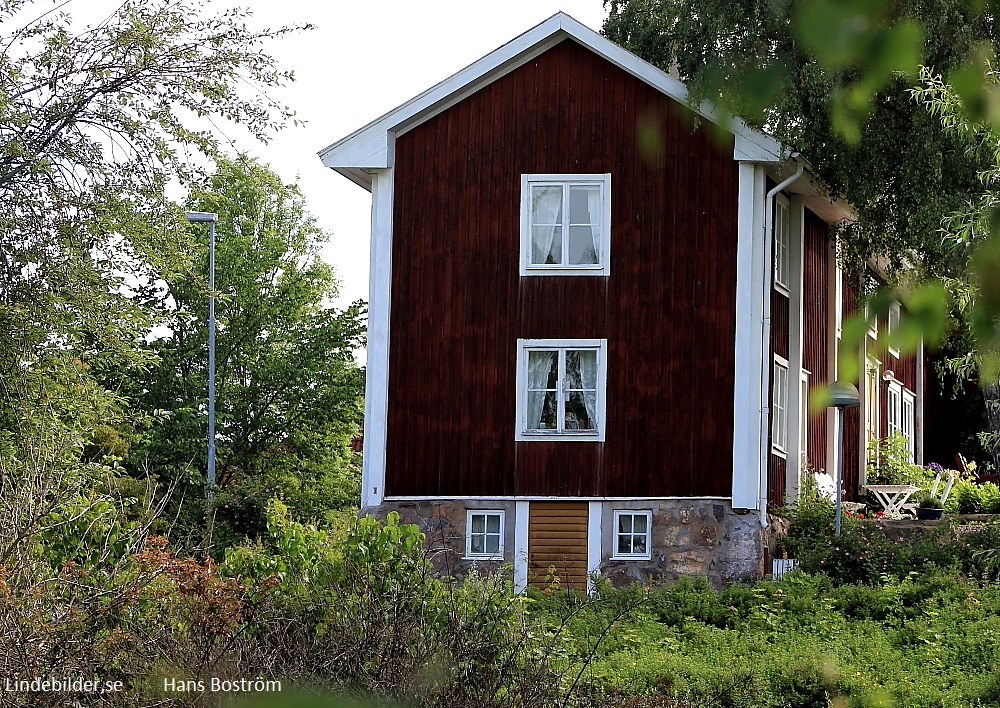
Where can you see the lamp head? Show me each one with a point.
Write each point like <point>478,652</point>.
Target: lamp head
<point>844,395</point>
<point>201,216</point>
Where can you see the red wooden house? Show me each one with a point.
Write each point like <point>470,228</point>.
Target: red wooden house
<point>595,315</point>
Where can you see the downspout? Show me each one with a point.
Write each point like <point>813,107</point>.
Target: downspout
<point>765,369</point>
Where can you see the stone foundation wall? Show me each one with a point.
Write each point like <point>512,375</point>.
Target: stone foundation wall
<point>697,537</point>
<point>443,522</point>
<point>689,537</point>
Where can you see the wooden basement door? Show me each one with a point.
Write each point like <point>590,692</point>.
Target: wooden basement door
<point>557,544</point>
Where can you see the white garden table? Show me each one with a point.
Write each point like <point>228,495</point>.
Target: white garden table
<point>892,497</point>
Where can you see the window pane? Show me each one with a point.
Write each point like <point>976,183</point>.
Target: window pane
<point>546,204</point>
<point>585,205</point>
<point>546,245</point>
<point>493,523</point>
<point>478,523</point>
<point>639,523</point>
<point>638,544</point>
<point>624,545</point>
<point>543,370</point>
<point>541,410</point>
<point>625,523</point>
<point>476,544</point>
<point>584,243</point>
<point>579,411</point>
<point>492,543</point>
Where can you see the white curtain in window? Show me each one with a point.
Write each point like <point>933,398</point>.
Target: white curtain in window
<point>540,363</point>
<point>546,208</point>
<point>595,205</point>
<point>581,374</point>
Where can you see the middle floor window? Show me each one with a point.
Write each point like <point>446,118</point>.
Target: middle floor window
<point>560,389</point>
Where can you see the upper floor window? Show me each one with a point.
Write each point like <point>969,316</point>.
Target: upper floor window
<point>560,389</point>
<point>892,325</point>
<point>565,224</point>
<point>782,230</point>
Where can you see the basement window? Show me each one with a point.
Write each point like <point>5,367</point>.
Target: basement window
<point>484,535</point>
<point>632,532</point>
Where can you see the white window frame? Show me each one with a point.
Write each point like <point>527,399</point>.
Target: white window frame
<point>615,555</point>
<point>804,412</point>
<point>892,325</point>
<point>907,420</point>
<point>603,267</point>
<point>779,407</point>
<point>469,555</point>
<point>872,323</point>
<point>521,431</point>
<point>782,243</point>
<point>894,408</point>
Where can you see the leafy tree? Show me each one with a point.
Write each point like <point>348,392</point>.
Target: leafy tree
<point>848,83</point>
<point>288,391</point>
<point>94,124</point>
<point>833,79</point>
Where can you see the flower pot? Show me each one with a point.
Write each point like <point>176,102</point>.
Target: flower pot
<point>929,514</point>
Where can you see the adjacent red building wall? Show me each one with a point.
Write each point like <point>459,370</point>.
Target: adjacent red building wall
<point>459,306</point>
<point>816,287</point>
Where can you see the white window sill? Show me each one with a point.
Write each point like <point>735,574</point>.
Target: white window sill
<point>601,271</point>
<point>777,451</point>
<point>783,289</point>
<point>484,558</point>
<point>632,558</point>
<point>589,436</point>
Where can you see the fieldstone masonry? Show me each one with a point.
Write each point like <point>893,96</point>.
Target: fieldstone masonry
<point>689,537</point>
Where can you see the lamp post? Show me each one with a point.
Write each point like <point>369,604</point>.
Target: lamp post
<point>210,218</point>
<point>842,395</point>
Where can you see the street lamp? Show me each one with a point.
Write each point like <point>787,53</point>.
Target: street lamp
<point>842,395</point>
<point>210,218</point>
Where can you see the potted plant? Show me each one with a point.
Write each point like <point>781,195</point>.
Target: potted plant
<point>929,507</point>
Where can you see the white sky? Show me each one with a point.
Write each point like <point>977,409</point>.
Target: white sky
<point>362,60</point>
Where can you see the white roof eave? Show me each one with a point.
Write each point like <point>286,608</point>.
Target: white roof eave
<point>369,148</point>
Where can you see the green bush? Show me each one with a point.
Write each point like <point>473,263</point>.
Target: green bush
<point>967,497</point>
<point>890,463</point>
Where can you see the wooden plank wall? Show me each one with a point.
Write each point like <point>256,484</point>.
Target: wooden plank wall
<point>816,289</point>
<point>557,544</point>
<point>853,454</point>
<point>459,306</point>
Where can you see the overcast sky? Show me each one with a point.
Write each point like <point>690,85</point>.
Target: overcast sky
<point>362,60</point>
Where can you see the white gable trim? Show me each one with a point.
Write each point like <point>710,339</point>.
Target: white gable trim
<point>371,147</point>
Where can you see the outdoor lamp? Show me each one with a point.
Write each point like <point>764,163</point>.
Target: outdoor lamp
<point>198,217</point>
<point>842,395</point>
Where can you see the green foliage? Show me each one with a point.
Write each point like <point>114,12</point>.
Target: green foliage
<point>889,463</point>
<point>288,391</point>
<point>920,640</point>
<point>86,532</point>
<point>832,80</point>
<point>91,133</point>
<point>967,497</point>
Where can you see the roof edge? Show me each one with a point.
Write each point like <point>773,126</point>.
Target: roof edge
<point>369,146</point>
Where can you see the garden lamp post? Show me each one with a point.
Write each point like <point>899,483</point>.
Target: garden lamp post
<point>210,218</point>
<point>842,395</point>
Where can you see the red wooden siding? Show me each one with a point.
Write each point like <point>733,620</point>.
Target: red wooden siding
<point>776,464</point>
<point>458,304</point>
<point>776,467</point>
<point>853,457</point>
<point>815,325</point>
<point>779,324</point>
